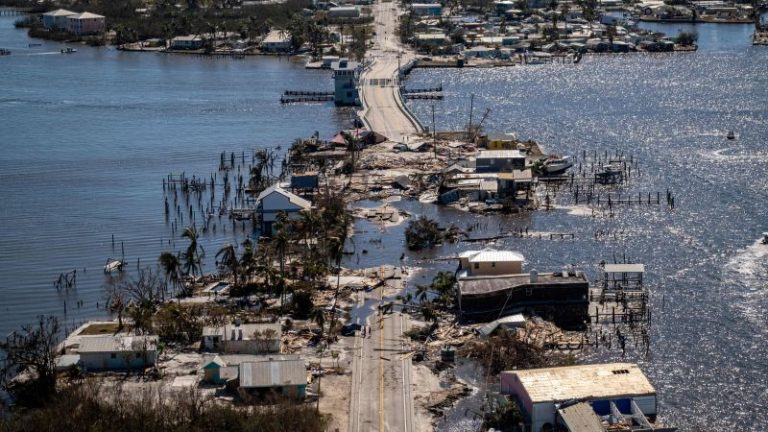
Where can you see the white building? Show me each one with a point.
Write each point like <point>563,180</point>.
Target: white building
<point>274,200</point>
<point>118,352</point>
<point>344,12</point>
<point>608,388</point>
<point>277,41</point>
<point>85,23</point>
<point>243,338</point>
<point>57,19</point>
<point>489,262</point>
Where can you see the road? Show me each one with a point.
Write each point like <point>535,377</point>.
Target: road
<point>383,109</point>
<point>381,378</point>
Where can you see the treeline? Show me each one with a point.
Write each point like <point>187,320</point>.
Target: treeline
<point>90,407</point>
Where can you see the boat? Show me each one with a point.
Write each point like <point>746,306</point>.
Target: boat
<point>68,50</point>
<point>765,238</point>
<point>4,51</point>
<point>556,165</point>
<point>731,135</point>
<point>113,265</point>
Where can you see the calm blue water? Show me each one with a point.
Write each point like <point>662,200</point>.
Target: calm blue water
<point>87,138</point>
<point>672,112</point>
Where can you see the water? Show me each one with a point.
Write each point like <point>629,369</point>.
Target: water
<point>672,112</point>
<point>87,138</point>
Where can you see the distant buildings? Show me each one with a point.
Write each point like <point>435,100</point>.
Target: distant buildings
<point>277,41</point>
<point>344,12</point>
<point>500,160</point>
<point>190,42</point>
<point>427,9</point>
<point>80,24</point>
<point>258,378</point>
<point>588,398</point>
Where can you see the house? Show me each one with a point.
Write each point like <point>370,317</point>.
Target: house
<point>189,42</point>
<point>499,161</point>
<point>515,182</point>
<point>618,392</point>
<point>57,19</point>
<point>264,379</point>
<point>85,23</point>
<point>243,338</point>
<point>427,40</point>
<point>117,352</point>
<point>344,12</point>
<point>560,296</point>
<point>277,41</point>
<point>427,9</point>
<point>273,200</point>
<point>488,262</point>
<point>216,371</point>
<point>345,76</point>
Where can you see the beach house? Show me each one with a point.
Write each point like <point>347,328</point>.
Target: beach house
<point>274,200</point>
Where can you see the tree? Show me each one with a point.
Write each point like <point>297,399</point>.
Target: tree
<point>171,265</point>
<point>116,303</point>
<point>228,261</point>
<point>33,350</point>
<point>422,233</point>
<point>194,253</point>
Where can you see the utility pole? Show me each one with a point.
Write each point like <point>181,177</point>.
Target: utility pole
<point>434,132</point>
<point>471,108</point>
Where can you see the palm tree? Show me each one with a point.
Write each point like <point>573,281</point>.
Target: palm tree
<point>228,261</point>
<point>193,256</point>
<point>171,265</point>
<point>280,244</point>
<point>353,146</point>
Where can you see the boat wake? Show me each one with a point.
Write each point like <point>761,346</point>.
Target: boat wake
<point>727,155</point>
<point>751,265</point>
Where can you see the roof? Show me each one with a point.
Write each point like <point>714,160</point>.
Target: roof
<point>480,285</point>
<point>87,15</point>
<point>187,38</point>
<point>516,320</point>
<point>597,381</point>
<point>490,255</point>
<point>67,360</point>
<point>624,268</point>
<point>581,417</point>
<point>277,36</point>
<point>273,373</point>
<point>517,175</point>
<point>500,154</point>
<point>248,330</point>
<point>215,362</point>
<point>60,12</point>
<point>292,197</point>
<point>120,343</point>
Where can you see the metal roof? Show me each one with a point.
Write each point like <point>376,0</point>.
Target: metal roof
<point>624,268</point>
<point>581,417</point>
<point>60,12</point>
<point>481,285</point>
<point>109,344</point>
<point>293,198</point>
<point>500,154</point>
<point>273,373</point>
<point>248,330</point>
<point>491,255</point>
<point>583,382</point>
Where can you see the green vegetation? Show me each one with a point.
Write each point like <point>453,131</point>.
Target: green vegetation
<point>422,233</point>
<point>686,38</point>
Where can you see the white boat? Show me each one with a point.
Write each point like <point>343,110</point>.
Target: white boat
<point>68,50</point>
<point>112,265</point>
<point>556,165</point>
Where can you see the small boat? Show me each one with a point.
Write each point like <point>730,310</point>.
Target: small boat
<point>68,50</point>
<point>556,165</point>
<point>731,135</point>
<point>4,51</point>
<point>765,238</point>
<point>112,265</point>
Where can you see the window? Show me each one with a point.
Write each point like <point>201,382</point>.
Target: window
<point>528,291</point>
<point>620,371</point>
<point>113,356</point>
<point>493,264</point>
<point>477,266</point>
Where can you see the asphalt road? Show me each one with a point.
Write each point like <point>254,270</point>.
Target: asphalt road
<point>381,397</point>
<point>379,86</point>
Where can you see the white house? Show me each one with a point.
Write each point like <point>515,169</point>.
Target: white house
<point>489,262</point>
<point>344,12</point>
<point>608,388</point>
<point>85,23</point>
<point>187,42</point>
<point>117,352</point>
<point>427,9</point>
<point>243,338</point>
<point>57,19</point>
<point>277,41</point>
<point>274,200</point>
